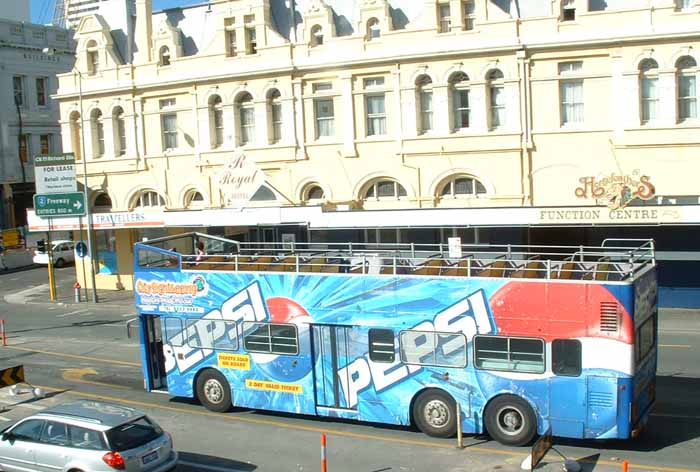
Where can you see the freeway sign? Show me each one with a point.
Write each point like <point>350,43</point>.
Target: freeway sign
<point>54,174</point>
<point>56,205</point>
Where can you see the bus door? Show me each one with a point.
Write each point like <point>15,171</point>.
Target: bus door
<point>331,352</point>
<point>154,352</point>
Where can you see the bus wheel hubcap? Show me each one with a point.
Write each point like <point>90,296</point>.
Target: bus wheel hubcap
<point>436,413</point>
<point>213,391</point>
<point>510,420</point>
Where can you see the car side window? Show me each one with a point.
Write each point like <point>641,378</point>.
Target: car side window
<point>84,438</point>
<point>55,433</point>
<point>29,430</point>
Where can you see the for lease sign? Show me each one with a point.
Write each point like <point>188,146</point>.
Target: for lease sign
<point>55,174</point>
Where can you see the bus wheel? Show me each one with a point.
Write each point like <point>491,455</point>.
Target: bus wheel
<point>510,420</point>
<point>214,391</point>
<point>434,413</point>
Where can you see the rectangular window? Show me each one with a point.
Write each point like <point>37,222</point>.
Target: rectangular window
<point>60,36</point>
<point>498,106</point>
<point>376,115</point>
<point>568,10</point>
<point>469,15</point>
<point>45,143</point>
<point>381,345</point>
<point>461,107</point>
<point>443,18</point>
<point>373,82</point>
<point>276,122</point>
<point>231,43</point>
<point>322,87</point>
<point>41,87</point>
<point>174,334</point>
<point>566,357</point>
<point>18,88</point>
<point>93,60</point>
<point>645,339</point>
<point>169,124</point>
<point>212,334</point>
<point>683,4</point>
<point>514,354</point>
<point>17,30</point>
<point>38,34</point>
<point>121,134</point>
<point>218,126</point>
<point>687,97</point>
<point>426,110</point>
<point>251,40</point>
<point>272,338</point>
<point>24,148</point>
<point>572,67</point>
<point>432,348</point>
<point>247,124</point>
<point>571,93</point>
<point>650,98</point>
<point>167,103</point>
<point>324,118</point>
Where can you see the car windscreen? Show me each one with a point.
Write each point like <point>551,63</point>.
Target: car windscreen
<point>133,434</point>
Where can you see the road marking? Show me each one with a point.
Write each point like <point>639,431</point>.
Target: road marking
<point>3,418</point>
<point>207,467</point>
<point>679,346</point>
<point>74,312</point>
<point>75,356</point>
<point>314,429</point>
<point>76,375</point>
<point>128,314</point>
<point>31,406</point>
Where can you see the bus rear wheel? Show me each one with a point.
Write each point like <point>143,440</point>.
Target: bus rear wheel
<point>214,391</point>
<point>435,414</point>
<point>510,420</point>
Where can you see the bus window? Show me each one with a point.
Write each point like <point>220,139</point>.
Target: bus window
<point>503,353</point>
<point>174,334</point>
<point>381,345</point>
<point>212,334</point>
<point>272,338</point>
<point>646,338</point>
<point>431,348</point>
<point>566,357</point>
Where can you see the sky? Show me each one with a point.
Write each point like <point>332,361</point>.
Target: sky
<point>42,10</point>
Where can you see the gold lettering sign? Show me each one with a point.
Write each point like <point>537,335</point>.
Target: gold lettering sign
<point>616,191</point>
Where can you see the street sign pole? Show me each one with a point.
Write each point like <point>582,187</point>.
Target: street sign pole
<point>49,251</point>
<point>82,259</point>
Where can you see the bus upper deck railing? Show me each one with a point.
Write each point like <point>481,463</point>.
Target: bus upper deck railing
<point>614,260</point>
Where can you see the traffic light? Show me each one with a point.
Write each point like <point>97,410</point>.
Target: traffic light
<point>41,245</point>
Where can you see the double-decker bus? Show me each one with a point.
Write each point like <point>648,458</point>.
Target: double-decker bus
<point>522,338</point>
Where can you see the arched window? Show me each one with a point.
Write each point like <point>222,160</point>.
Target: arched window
<point>274,110</point>
<point>164,56</point>
<point>246,114</point>
<point>424,86</point>
<point>497,103</point>
<point>75,142</point>
<point>374,30</point>
<point>459,87</point>
<point>687,88</point>
<point>316,35</point>
<point>119,128</point>
<point>385,189</point>
<point>313,192</point>
<point>263,194</point>
<point>216,121</point>
<point>194,199</point>
<point>98,134</point>
<point>92,57</point>
<point>149,199</point>
<point>461,187</point>
<point>102,203</point>
<point>648,86</point>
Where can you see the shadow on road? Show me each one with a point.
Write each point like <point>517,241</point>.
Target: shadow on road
<point>190,461</point>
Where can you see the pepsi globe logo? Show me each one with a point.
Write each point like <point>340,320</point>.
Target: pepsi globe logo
<point>286,368</point>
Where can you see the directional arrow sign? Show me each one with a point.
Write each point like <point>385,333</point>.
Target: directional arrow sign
<point>56,205</point>
<point>11,376</point>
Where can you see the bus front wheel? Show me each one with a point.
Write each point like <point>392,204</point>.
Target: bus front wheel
<point>510,420</point>
<point>214,391</point>
<point>435,415</point>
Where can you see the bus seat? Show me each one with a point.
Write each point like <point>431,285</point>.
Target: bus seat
<point>285,264</point>
<point>531,270</point>
<point>261,263</point>
<point>498,268</point>
<point>430,267</point>
<point>461,268</point>
<point>330,269</point>
<point>312,265</point>
<point>244,263</point>
<point>569,271</point>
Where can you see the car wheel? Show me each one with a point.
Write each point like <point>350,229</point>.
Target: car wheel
<point>60,262</point>
<point>435,414</point>
<point>214,391</point>
<point>510,420</point>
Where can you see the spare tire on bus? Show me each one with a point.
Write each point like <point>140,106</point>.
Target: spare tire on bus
<point>510,420</point>
<point>435,413</point>
<point>213,390</point>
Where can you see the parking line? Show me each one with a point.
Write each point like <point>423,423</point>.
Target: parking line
<point>208,467</point>
<point>679,346</point>
<point>75,356</point>
<point>74,312</point>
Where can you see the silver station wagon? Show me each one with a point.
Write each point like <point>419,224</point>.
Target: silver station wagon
<point>87,436</point>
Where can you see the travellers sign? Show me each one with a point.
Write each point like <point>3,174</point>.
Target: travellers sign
<point>55,174</point>
<point>239,180</point>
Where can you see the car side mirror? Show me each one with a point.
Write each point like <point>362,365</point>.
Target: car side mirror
<point>8,436</point>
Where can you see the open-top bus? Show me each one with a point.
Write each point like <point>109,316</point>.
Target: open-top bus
<point>523,338</point>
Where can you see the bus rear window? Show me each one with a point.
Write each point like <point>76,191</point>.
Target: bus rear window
<point>566,357</point>
<point>133,434</point>
<point>646,338</point>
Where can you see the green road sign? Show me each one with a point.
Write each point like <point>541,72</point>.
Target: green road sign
<point>56,205</point>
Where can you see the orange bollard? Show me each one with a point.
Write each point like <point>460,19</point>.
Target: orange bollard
<point>625,466</point>
<point>323,453</point>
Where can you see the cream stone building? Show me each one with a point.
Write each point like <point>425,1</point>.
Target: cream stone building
<point>539,121</point>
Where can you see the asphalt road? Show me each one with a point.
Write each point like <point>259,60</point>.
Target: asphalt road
<point>82,351</point>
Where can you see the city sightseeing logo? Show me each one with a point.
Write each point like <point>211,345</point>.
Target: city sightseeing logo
<point>196,287</point>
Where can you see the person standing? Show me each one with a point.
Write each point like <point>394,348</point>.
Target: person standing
<point>2,256</point>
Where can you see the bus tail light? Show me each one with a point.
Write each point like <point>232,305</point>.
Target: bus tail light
<point>114,460</point>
